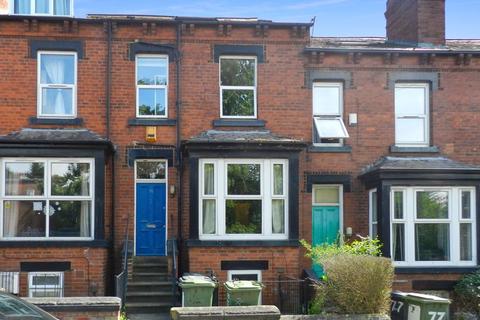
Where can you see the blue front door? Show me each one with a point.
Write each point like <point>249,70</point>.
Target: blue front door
<point>151,219</point>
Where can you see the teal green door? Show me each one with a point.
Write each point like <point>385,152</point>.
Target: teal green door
<point>325,228</point>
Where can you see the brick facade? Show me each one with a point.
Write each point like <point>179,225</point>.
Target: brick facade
<point>284,103</point>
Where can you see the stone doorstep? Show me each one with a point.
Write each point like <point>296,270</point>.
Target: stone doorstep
<point>222,313</point>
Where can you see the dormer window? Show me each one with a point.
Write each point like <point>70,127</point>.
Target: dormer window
<point>43,7</point>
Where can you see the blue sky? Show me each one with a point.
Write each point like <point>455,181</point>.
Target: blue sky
<point>333,17</point>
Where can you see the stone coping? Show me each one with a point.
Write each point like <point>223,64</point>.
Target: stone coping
<point>77,303</point>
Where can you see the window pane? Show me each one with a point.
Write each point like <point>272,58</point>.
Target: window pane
<point>42,6</point>
<point>47,280</point>
<point>24,178</point>
<point>209,216</point>
<point>62,7</point>
<point>151,169</point>
<point>326,101</point>
<point>432,205</point>
<point>466,242</point>
<point>244,277</point>
<point>237,72</point>
<point>466,205</point>
<point>410,101</point>
<point>331,128</point>
<point>70,179</point>
<point>243,179</point>
<point>278,216</point>
<point>24,219</point>
<point>57,101</point>
<point>238,103</point>
<point>151,71</point>
<point>398,205</point>
<point>209,178</point>
<point>326,195</point>
<point>46,293</point>
<point>70,218</point>
<point>432,242</point>
<point>398,236</point>
<point>374,207</point>
<point>243,216</point>
<point>278,179</point>
<point>57,69</point>
<point>22,7</point>
<point>408,130</point>
<point>374,231</point>
<point>151,102</point>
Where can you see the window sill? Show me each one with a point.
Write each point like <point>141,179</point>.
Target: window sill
<point>54,121</point>
<point>54,244</point>
<point>242,243</point>
<point>434,270</point>
<point>340,149</point>
<point>400,149</point>
<point>238,123</point>
<point>152,122</point>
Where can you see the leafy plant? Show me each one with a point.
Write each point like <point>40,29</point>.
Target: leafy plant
<point>317,305</point>
<point>467,293</point>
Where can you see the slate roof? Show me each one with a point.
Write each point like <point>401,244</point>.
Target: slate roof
<point>54,136</point>
<point>380,44</point>
<point>257,136</point>
<point>417,164</point>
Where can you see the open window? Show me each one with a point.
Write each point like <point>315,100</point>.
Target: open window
<point>328,122</point>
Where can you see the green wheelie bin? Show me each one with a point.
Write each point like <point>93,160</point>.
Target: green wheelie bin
<point>243,293</point>
<point>417,306</point>
<point>197,291</point>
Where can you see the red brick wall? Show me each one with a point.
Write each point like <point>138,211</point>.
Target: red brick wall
<point>420,21</point>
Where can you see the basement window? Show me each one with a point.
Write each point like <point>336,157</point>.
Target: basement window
<point>328,122</point>
<point>45,284</point>
<point>238,87</point>
<point>43,7</point>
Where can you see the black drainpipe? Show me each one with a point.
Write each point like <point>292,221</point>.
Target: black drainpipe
<point>108,95</point>
<point>179,163</point>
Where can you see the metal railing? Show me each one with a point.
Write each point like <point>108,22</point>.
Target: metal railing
<point>121,280</point>
<point>174,252</point>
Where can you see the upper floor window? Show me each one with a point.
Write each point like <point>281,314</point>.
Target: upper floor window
<point>43,7</point>
<point>244,199</point>
<point>47,199</point>
<point>328,114</point>
<point>152,86</point>
<point>57,84</point>
<point>238,87</point>
<point>411,114</point>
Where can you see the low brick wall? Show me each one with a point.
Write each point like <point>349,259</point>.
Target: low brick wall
<point>89,308</point>
<point>226,313</point>
<point>338,317</point>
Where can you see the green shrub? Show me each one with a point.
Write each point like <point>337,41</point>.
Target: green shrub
<point>358,284</point>
<point>467,293</point>
<point>317,305</point>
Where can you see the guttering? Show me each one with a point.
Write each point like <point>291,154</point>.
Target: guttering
<point>410,51</point>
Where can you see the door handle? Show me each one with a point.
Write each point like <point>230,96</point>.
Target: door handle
<point>151,226</point>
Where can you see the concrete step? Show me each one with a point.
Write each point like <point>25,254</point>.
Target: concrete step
<point>149,267</point>
<point>149,297</point>
<point>158,260</point>
<point>142,286</point>
<point>148,316</point>
<point>150,276</point>
<point>148,307</point>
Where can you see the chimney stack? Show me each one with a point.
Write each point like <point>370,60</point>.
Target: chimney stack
<point>417,22</point>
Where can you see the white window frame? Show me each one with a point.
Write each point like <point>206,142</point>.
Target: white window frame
<point>222,87</point>
<point>327,116</point>
<point>266,195</point>
<point>14,281</point>
<point>151,86</point>
<point>425,117</point>
<point>370,212</point>
<point>41,86</point>
<point>47,197</point>
<point>47,288</point>
<point>454,220</point>
<point>33,7</point>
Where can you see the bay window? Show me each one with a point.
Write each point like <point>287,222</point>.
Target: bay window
<point>57,84</point>
<point>238,87</point>
<point>433,226</point>
<point>243,199</point>
<point>47,199</point>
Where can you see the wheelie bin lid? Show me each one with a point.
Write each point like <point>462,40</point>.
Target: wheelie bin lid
<point>196,281</point>
<point>243,285</point>
<point>420,297</point>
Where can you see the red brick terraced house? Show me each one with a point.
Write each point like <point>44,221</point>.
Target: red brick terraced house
<point>230,140</point>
